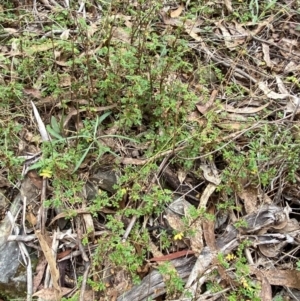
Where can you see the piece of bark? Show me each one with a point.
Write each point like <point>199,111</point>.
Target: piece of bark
<point>153,286</point>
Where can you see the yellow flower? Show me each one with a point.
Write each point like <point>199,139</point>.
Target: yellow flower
<point>123,191</point>
<point>46,173</point>
<point>230,257</point>
<point>245,284</point>
<point>178,236</point>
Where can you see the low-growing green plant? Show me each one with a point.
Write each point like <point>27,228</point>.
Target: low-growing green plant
<point>125,61</point>
<point>174,284</point>
<point>245,286</point>
<point>298,265</point>
<point>9,144</point>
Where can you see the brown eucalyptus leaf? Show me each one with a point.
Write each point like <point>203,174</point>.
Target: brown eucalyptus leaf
<point>266,52</point>
<point>246,110</point>
<point>177,12</point>
<point>249,197</point>
<point>51,262</point>
<point>272,250</point>
<point>228,5</point>
<point>289,278</point>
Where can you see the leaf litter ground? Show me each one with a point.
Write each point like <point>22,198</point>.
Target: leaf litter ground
<point>154,147</point>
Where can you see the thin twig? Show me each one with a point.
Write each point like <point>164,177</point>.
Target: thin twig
<point>84,280</point>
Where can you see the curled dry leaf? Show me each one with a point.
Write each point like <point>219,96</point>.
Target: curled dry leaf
<point>78,211</point>
<point>291,67</point>
<point>249,197</point>
<point>189,25</point>
<point>289,278</point>
<point>292,225</point>
<point>269,93</point>
<point>290,106</point>
<point>39,273</point>
<point>177,12</point>
<point>35,93</point>
<point>272,250</point>
<point>266,217</point>
<point>31,218</point>
<point>48,294</point>
<point>266,52</point>
<point>208,191</point>
<point>181,175</point>
<point>228,5</point>
<point>210,174</point>
<point>203,107</point>
<point>231,40</point>
<point>174,215</point>
<point>89,224</point>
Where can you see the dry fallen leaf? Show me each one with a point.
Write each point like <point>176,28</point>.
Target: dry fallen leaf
<point>48,294</point>
<point>119,34</point>
<point>65,34</point>
<point>208,191</point>
<point>196,239</point>
<point>209,230</point>
<point>31,218</point>
<point>36,180</point>
<point>11,31</point>
<point>230,42</point>
<point>177,12</point>
<point>266,289</point>
<point>39,272</point>
<point>78,211</point>
<point>289,278</point>
<point>92,29</point>
<point>203,107</point>
<point>273,249</point>
<point>89,224</point>
<point>246,110</point>
<point>228,5</point>
<point>33,92</point>
<point>266,52</point>
<point>210,174</point>
<point>249,197</point>
<point>51,262</point>
<point>181,174</point>
<point>65,81</point>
